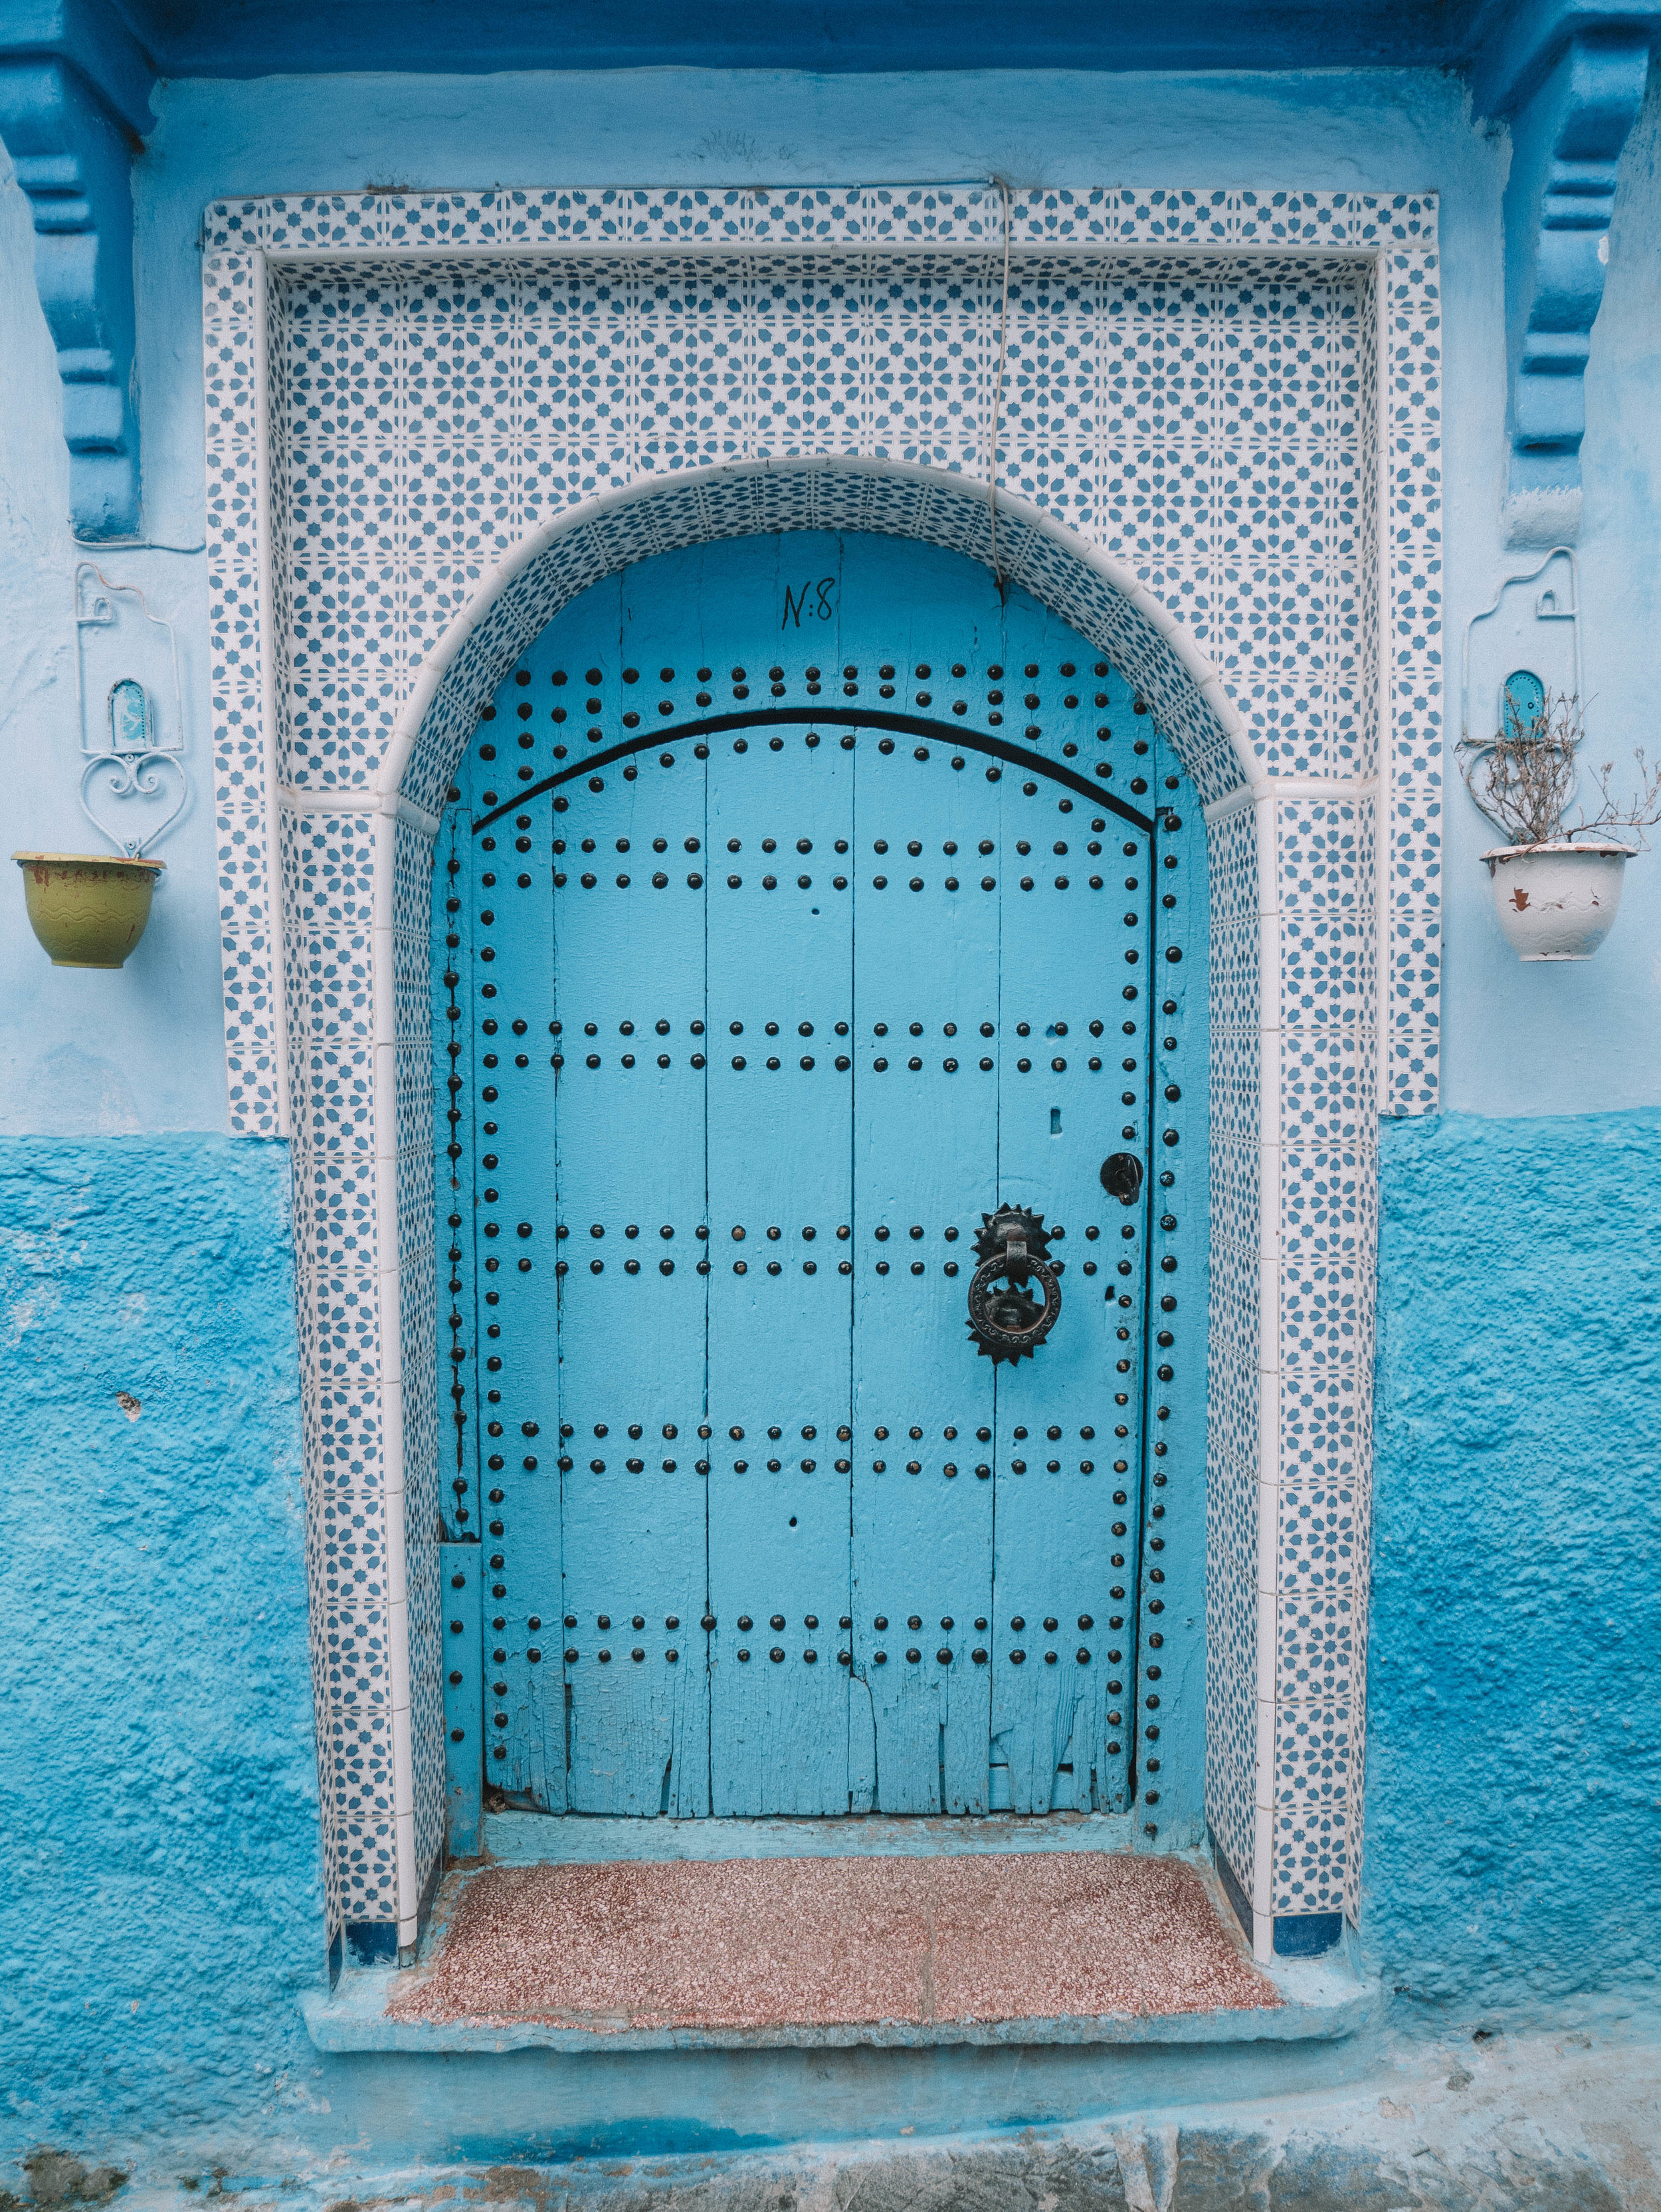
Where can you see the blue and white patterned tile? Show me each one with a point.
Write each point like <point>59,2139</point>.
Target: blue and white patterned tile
<point>1322,1542</point>
<point>339,1320</point>
<point>1232,1411</point>
<point>331,986</point>
<point>1413,996</point>
<point>1324,854</point>
<point>337,1082</point>
<point>1328,964</point>
<point>246,969</point>
<point>345,1327</point>
<point>1235,968</point>
<point>1329,1087</point>
<point>1236,1074</point>
<point>1238,397</point>
<point>1312,1854</point>
<point>1324,1311</point>
<point>1316,1655</point>
<point>1314,1749</point>
<point>243,871</point>
<point>426,1693</point>
<point>329,867</point>
<point>412,891</point>
<point>1327,1212</point>
<point>1234,1166</point>
<point>1231,856</point>
<point>1414,1065</point>
<point>1326,1428</point>
<point>1232,1688</point>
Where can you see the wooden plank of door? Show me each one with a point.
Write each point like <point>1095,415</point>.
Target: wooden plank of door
<point>1069,1418</point>
<point>926,1163</point>
<point>513,1206</point>
<point>779,982</point>
<point>628,945</point>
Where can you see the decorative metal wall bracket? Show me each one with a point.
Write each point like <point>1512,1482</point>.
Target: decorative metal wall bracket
<point>1518,645</point>
<point>133,783</point>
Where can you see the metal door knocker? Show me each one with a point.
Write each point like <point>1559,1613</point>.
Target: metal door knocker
<point>1012,1247</point>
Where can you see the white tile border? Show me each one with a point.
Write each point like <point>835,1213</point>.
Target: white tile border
<point>272,1091</point>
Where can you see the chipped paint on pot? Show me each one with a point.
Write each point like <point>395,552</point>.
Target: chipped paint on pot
<point>89,910</point>
<point>1557,900</point>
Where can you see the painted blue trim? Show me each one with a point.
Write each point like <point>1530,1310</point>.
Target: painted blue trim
<point>203,38</point>
<point>372,1942</point>
<point>1307,1934</point>
<point>1233,1889</point>
<point>200,38</point>
<point>1506,48</point>
<point>1320,2003</point>
<point>1570,79</point>
<point>74,102</point>
<point>1511,48</point>
<point>91,38</point>
<point>461,1613</point>
<point>515,1838</point>
<point>1295,1934</point>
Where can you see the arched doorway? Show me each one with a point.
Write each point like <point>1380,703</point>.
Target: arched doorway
<point>801,900</point>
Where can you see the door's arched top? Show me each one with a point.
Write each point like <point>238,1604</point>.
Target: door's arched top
<point>787,928</point>
<point>1096,596</point>
<point>945,736</point>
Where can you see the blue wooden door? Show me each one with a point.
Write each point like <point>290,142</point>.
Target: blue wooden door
<point>801,904</point>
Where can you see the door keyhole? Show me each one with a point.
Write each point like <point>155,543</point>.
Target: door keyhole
<point>1121,1177</point>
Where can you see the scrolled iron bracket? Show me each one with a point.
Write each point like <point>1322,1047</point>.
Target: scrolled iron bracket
<point>132,729</point>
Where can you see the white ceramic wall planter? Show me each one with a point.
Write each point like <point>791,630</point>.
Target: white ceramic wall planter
<point>1557,900</point>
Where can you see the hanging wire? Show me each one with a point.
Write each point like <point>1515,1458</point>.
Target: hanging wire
<point>997,397</point>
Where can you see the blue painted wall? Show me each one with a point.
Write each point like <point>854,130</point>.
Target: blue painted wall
<point>161,1895</point>
<point>1515,1764</point>
<point>1382,130</point>
<point>83,1054</point>
<point>162,1847</point>
<point>1522,1040</point>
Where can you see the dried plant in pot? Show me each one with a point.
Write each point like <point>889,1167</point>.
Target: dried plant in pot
<point>1557,884</point>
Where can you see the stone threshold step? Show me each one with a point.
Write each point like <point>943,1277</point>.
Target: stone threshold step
<point>580,1838</point>
<point>953,1939</point>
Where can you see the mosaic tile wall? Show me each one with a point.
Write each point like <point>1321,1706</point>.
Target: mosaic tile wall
<point>1244,418</point>
<point>1234,1383</point>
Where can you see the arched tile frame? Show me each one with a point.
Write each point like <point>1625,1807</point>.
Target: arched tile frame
<point>372,577</point>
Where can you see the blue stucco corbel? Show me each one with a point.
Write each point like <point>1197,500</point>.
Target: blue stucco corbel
<point>75,90</point>
<point>1569,77</point>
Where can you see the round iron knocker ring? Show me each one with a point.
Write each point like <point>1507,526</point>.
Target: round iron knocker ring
<point>1007,1323</point>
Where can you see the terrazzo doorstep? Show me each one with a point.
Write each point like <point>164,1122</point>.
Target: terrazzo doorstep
<point>824,1943</point>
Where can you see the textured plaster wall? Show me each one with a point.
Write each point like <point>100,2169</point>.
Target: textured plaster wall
<point>160,1910</point>
<point>161,1905</point>
<point>1514,1754</point>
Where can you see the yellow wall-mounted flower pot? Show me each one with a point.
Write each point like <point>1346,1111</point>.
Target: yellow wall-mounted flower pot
<point>89,910</point>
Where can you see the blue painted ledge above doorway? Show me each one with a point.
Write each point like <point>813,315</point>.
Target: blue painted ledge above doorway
<point>1567,76</point>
